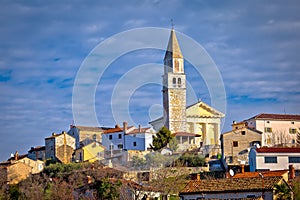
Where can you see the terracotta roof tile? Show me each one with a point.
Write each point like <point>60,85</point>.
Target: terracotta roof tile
<point>113,130</point>
<point>277,116</point>
<point>143,130</point>
<point>256,174</point>
<point>278,150</point>
<point>231,184</point>
<point>184,134</point>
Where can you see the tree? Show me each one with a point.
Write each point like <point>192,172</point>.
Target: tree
<point>282,192</point>
<point>107,190</point>
<point>173,144</point>
<point>161,139</point>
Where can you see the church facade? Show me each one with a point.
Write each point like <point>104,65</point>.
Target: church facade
<point>199,118</point>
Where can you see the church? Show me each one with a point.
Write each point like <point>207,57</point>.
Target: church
<point>199,121</point>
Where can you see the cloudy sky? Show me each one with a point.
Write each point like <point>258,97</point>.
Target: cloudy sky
<point>43,44</point>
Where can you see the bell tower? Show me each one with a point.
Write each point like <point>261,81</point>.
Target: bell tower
<point>174,87</point>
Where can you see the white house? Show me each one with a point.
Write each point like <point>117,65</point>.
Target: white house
<point>127,138</point>
<point>274,158</point>
<point>276,128</point>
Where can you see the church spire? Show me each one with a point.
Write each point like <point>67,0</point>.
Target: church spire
<point>173,49</point>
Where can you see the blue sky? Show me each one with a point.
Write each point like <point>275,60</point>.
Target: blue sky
<point>254,44</point>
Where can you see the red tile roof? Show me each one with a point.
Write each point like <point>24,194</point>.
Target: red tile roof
<point>276,116</point>
<point>137,130</point>
<point>278,150</point>
<point>113,130</point>
<point>184,134</point>
<point>231,185</point>
<point>256,174</point>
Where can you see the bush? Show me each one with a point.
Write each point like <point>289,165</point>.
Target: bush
<point>190,161</point>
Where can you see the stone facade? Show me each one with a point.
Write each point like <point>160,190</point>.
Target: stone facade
<point>199,118</point>
<point>236,143</point>
<point>174,87</point>
<point>13,173</point>
<point>60,147</point>
<point>85,135</point>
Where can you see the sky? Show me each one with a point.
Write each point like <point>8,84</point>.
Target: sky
<point>43,44</point>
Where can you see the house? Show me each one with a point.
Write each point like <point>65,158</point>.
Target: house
<point>278,129</point>
<point>36,165</point>
<point>236,143</point>
<point>13,173</point>
<point>60,147</point>
<point>91,153</point>
<point>37,153</point>
<point>139,139</point>
<point>127,138</point>
<point>274,158</point>
<point>85,134</point>
<point>257,187</point>
<point>113,138</point>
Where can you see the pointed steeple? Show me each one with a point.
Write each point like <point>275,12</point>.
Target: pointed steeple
<point>173,49</point>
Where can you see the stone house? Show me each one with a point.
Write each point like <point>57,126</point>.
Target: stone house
<point>85,135</point>
<point>278,129</point>
<point>60,147</point>
<point>37,153</point>
<point>236,143</point>
<point>13,173</point>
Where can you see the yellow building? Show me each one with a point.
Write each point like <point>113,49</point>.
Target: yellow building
<point>91,153</point>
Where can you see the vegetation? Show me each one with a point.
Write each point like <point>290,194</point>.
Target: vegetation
<point>282,192</point>
<point>190,161</point>
<point>67,181</point>
<point>161,139</point>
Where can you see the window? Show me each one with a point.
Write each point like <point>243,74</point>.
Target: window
<point>174,82</point>
<point>120,136</point>
<point>235,143</point>
<point>268,129</point>
<point>294,159</point>
<point>179,82</point>
<point>292,122</point>
<point>243,132</point>
<point>134,144</point>
<point>293,130</point>
<point>110,137</point>
<point>270,159</point>
<point>94,137</point>
<point>120,146</point>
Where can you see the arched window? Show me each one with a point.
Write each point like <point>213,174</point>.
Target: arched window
<point>179,82</point>
<point>174,82</point>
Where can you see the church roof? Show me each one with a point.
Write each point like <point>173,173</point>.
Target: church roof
<point>210,111</point>
<point>173,49</point>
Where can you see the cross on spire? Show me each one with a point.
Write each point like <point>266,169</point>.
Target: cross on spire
<point>172,23</point>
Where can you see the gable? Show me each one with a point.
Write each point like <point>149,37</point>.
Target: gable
<point>201,109</point>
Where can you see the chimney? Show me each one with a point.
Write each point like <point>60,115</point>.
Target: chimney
<point>16,155</point>
<point>71,126</point>
<point>242,169</point>
<point>140,129</point>
<point>198,177</point>
<point>125,127</point>
<point>291,172</point>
